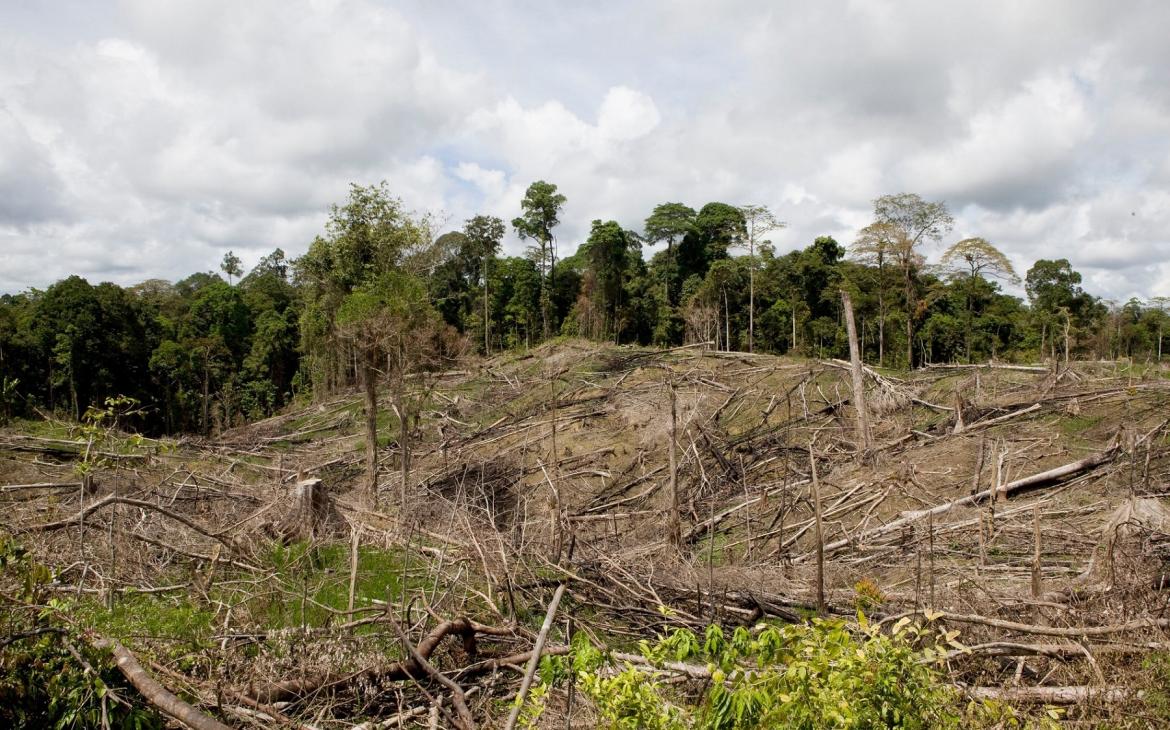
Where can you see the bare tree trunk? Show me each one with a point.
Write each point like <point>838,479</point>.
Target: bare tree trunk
<point>881,314</point>
<point>1037,576</point>
<point>674,522</point>
<point>819,535</point>
<point>487,322</point>
<point>752,298</point>
<point>909,319</point>
<point>793,345</point>
<point>726,323</point>
<point>1067,328</point>
<point>206,398</point>
<point>403,442</point>
<point>864,441</point>
<point>534,662</point>
<point>371,405</point>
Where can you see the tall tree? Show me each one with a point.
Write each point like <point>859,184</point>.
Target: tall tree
<point>669,222</point>
<point>484,233</point>
<point>758,221</point>
<point>368,235</point>
<point>875,246</point>
<point>541,209</point>
<point>915,221</point>
<point>353,275</point>
<point>231,265</point>
<point>969,260</point>
<point>608,249</point>
<point>718,227</point>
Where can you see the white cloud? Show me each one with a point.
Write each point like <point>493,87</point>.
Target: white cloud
<point>151,137</point>
<point>626,114</point>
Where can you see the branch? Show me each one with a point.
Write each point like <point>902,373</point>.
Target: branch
<point>157,695</point>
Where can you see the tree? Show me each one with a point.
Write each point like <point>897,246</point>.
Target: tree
<point>914,222</point>
<point>759,221</point>
<point>669,222</point>
<point>969,260</point>
<point>607,249</point>
<point>356,279</point>
<point>1055,294</point>
<point>368,235</point>
<point>541,210</point>
<point>231,265</point>
<point>875,246</point>
<point>392,319</point>
<point>1158,312</point>
<point>484,233</point>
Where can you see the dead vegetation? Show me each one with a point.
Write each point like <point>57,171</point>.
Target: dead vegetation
<point>1022,505</point>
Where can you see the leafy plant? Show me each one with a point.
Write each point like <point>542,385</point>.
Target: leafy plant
<point>49,678</point>
<point>822,674</point>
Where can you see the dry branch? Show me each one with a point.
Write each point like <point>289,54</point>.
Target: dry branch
<point>1049,476</point>
<point>153,692</point>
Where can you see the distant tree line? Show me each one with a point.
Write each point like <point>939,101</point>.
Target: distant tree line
<point>381,294</point>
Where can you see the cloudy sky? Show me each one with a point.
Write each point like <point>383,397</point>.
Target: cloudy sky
<point>145,138</point>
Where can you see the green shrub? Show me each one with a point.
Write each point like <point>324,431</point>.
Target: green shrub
<point>822,674</point>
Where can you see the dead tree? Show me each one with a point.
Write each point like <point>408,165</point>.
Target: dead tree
<point>674,521</point>
<point>864,442</point>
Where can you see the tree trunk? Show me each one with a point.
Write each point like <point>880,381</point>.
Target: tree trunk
<point>881,313</point>
<point>864,443</point>
<point>371,398</point>
<point>793,345</point>
<point>751,298</point>
<point>487,322</point>
<point>1067,328</point>
<point>910,305</point>
<point>819,535</point>
<point>674,522</point>
<point>206,397</point>
<point>726,323</point>
<point>403,441</point>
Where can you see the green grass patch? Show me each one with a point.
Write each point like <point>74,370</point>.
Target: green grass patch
<point>1077,425</point>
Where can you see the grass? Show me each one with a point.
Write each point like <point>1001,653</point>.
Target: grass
<point>1076,426</point>
<point>321,577</point>
<point>309,586</point>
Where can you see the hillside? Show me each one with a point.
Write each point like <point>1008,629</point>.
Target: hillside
<point>218,567</point>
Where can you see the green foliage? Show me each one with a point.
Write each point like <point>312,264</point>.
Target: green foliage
<point>44,678</point>
<point>824,674</point>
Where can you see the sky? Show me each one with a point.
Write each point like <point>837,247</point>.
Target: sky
<point>144,139</point>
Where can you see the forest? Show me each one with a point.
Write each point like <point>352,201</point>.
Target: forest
<point>219,348</point>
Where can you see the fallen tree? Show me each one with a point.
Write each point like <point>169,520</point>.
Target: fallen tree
<point>1050,476</point>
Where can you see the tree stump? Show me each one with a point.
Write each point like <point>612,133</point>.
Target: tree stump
<point>312,514</point>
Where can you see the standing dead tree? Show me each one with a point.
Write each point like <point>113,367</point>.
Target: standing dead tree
<point>864,441</point>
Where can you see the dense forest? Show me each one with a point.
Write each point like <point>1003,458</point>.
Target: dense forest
<point>383,291</point>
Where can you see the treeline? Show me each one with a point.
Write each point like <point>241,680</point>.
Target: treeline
<point>381,294</point>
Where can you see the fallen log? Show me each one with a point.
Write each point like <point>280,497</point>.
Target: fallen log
<point>1074,695</point>
<point>157,695</point>
<point>1074,632</point>
<point>290,689</point>
<point>1050,476</point>
<point>114,499</point>
<point>991,366</point>
<point>42,485</point>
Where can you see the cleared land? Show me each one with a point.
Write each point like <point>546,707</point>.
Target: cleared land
<point>1024,506</point>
